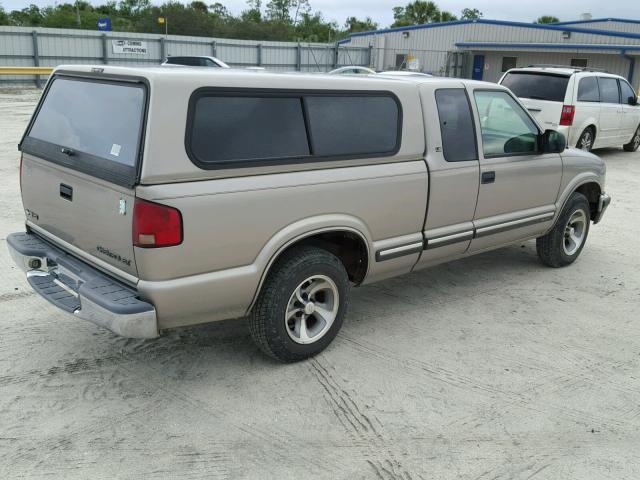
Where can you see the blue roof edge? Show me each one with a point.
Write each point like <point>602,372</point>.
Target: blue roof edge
<point>598,20</point>
<point>580,46</point>
<point>546,26</point>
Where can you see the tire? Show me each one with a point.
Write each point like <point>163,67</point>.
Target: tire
<point>559,247</point>
<point>633,145</point>
<point>587,137</point>
<point>301,271</point>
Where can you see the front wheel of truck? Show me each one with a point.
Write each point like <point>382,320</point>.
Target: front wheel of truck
<point>302,304</point>
<point>562,245</point>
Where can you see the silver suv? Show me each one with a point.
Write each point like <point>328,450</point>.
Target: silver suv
<point>156,199</point>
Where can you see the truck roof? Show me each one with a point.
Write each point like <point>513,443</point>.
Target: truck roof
<point>199,76</point>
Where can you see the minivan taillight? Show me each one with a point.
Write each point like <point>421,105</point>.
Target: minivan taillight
<point>156,225</point>
<point>566,117</point>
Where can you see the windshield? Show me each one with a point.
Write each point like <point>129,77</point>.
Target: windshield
<point>538,86</point>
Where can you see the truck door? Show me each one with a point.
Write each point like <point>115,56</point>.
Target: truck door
<point>518,184</point>
<point>452,160</point>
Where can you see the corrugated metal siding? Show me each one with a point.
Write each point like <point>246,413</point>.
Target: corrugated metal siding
<point>60,46</point>
<point>430,46</point>
<point>612,25</point>
<point>611,63</point>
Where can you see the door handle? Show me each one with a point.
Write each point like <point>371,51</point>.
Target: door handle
<point>66,192</point>
<point>488,177</point>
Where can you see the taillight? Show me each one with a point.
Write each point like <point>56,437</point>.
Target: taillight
<point>156,225</point>
<point>566,117</point>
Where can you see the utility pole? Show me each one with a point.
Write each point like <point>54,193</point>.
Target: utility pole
<point>78,14</point>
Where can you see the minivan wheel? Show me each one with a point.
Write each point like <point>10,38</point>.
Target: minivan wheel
<point>562,245</point>
<point>585,142</point>
<point>301,306</point>
<point>633,145</point>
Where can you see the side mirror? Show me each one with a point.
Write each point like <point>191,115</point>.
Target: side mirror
<point>553,142</point>
<point>633,100</point>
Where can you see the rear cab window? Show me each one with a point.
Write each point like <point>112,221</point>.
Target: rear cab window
<point>228,129</point>
<point>456,125</point>
<point>537,85</point>
<point>92,126</point>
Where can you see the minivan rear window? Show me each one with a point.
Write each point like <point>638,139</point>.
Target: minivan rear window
<point>537,86</point>
<point>90,126</point>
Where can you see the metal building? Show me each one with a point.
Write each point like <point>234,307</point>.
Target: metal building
<point>49,47</point>
<point>484,49</point>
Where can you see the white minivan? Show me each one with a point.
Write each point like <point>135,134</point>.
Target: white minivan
<point>593,109</point>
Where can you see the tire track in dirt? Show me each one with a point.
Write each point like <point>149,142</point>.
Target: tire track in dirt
<point>468,384</point>
<point>272,442</point>
<point>360,428</point>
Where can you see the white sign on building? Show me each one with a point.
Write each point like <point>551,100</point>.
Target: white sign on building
<point>134,47</point>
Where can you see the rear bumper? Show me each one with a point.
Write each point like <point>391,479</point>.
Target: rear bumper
<point>78,288</point>
<point>603,203</point>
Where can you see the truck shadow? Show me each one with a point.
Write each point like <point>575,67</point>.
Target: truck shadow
<point>425,291</point>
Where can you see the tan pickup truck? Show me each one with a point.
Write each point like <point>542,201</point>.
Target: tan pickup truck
<point>157,198</point>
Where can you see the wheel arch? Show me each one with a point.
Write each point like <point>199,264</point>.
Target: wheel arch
<point>349,240</point>
<point>590,187</point>
<point>591,124</point>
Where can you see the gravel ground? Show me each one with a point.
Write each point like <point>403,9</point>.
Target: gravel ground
<point>493,367</point>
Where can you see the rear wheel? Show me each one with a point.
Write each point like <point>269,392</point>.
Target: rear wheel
<point>633,145</point>
<point>585,142</point>
<point>301,306</point>
<point>562,245</point>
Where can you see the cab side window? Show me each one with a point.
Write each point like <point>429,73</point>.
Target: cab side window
<point>506,128</point>
<point>588,90</point>
<point>456,125</point>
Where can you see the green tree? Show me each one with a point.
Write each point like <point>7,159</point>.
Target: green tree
<point>254,13</point>
<point>4,18</point>
<point>547,19</point>
<point>470,14</point>
<point>278,10</point>
<point>415,13</point>
<point>353,24</point>
<point>30,16</point>
<point>313,28</point>
<point>447,17</point>
<point>219,10</point>
<point>199,6</point>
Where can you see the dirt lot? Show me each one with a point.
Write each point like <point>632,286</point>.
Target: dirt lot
<point>490,368</point>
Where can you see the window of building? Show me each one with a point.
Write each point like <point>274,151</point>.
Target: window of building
<point>579,62</point>
<point>508,63</point>
<point>456,125</point>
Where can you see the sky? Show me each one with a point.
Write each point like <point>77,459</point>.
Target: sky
<point>380,10</point>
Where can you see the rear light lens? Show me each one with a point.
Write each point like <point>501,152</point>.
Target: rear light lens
<point>156,225</point>
<point>566,117</point>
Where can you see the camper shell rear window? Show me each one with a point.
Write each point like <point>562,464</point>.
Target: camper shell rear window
<point>91,125</point>
<point>248,127</point>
